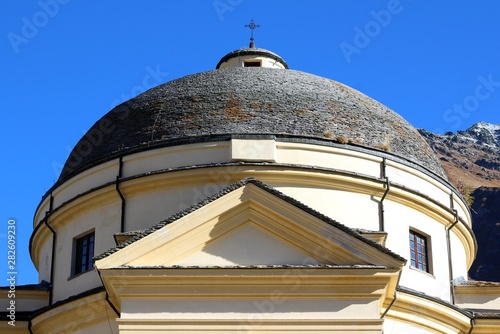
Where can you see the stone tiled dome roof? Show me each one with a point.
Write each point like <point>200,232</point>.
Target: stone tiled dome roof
<point>242,100</point>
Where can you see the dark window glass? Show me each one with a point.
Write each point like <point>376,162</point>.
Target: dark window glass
<point>252,64</point>
<point>84,254</point>
<point>418,251</point>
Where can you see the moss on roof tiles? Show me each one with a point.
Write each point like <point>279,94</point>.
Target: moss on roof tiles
<point>248,101</point>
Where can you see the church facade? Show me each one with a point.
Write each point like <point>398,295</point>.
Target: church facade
<point>253,198</point>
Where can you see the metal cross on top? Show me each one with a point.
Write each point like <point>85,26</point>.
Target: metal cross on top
<point>252,27</point>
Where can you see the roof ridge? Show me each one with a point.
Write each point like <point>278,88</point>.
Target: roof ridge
<point>173,218</point>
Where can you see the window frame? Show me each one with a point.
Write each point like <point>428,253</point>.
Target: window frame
<point>252,63</point>
<point>422,263</point>
<point>83,253</point>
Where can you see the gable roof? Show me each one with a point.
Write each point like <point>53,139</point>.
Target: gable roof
<point>269,190</point>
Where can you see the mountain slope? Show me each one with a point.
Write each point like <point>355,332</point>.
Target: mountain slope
<point>486,219</point>
<point>471,160</point>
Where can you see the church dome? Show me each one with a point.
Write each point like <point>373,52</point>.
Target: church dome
<point>248,172</point>
<point>260,101</point>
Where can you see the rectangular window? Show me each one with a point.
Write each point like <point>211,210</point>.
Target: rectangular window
<point>84,252</point>
<point>252,64</point>
<point>418,251</point>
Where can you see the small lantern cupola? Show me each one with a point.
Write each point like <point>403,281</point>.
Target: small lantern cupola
<point>252,56</point>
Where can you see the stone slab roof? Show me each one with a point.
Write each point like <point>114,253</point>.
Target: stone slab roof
<point>258,101</point>
<point>477,283</point>
<point>274,266</point>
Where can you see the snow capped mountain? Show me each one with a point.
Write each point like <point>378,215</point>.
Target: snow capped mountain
<point>471,159</point>
<point>483,133</point>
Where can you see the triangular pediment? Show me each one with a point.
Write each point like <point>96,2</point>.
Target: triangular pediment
<point>245,246</point>
<point>249,224</point>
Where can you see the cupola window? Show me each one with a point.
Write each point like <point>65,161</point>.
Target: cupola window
<point>418,251</point>
<point>84,252</point>
<point>252,63</point>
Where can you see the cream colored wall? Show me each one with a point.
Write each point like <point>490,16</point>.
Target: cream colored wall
<point>253,308</point>
<point>43,207</point>
<point>351,199</point>
<point>414,179</point>
<point>86,180</point>
<point>238,62</point>
<point>491,302</point>
<point>45,260</point>
<point>458,258</point>
<point>253,150</point>
<point>479,301</point>
<point>104,221</point>
<point>399,220</point>
<point>176,156</point>
<point>414,313</point>
<point>103,327</point>
<point>25,300</point>
<point>328,157</point>
<point>338,205</point>
<point>238,248</point>
<point>254,327</point>
<point>392,326</point>
<point>86,315</point>
<point>218,152</point>
<point>146,210</point>
<point>20,328</point>
<point>483,296</point>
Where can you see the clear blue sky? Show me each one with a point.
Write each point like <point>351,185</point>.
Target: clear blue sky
<point>65,63</point>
